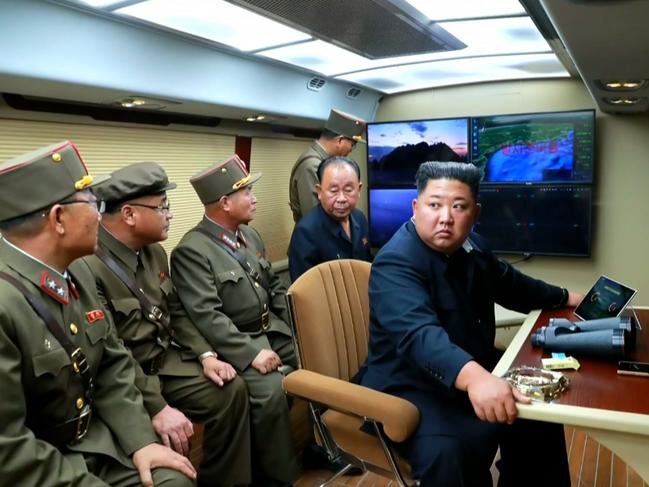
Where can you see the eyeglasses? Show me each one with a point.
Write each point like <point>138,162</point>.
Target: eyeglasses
<point>161,208</point>
<point>99,205</point>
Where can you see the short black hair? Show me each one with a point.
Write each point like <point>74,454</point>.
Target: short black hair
<point>338,160</point>
<point>458,171</point>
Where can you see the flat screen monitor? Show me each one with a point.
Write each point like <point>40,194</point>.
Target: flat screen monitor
<point>396,149</point>
<point>546,148</point>
<point>389,208</point>
<point>538,220</point>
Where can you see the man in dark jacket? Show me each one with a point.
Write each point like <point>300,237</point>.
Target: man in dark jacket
<point>432,327</point>
<point>334,229</point>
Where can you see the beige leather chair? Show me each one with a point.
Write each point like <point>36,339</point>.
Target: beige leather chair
<point>329,307</point>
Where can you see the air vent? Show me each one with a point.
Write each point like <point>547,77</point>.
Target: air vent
<point>315,83</point>
<point>353,93</point>
<point>360,26</point>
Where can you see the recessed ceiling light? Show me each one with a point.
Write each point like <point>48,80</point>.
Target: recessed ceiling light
<point>255,118</point>
<point>623,85</point>
<point>624,100</point>
<point>462,9</point>
<point>418,76</point>
<point>516,35</point>
<point>140,102</point>
<point>101,3</point>
<point>216,20</point>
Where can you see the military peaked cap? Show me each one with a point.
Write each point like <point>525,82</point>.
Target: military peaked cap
<point>40,178</point>
<point>133,181</point>
<point>350,126</point>
<point>223,179</point>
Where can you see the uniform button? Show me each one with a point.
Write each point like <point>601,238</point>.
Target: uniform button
<point>74,329</point>
<point>256,284</point>
<point>80,403</point>
<point>265,307</point>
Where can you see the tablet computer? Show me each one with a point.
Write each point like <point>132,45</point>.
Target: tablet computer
<point>606,299</point>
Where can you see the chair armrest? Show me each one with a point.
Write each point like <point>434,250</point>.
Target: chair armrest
<point>399,417</point>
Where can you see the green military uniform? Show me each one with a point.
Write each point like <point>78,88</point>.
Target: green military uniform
<point>45,406</point>
<point>304,175</point>
<point>174,374</point>
<point>238,314</point>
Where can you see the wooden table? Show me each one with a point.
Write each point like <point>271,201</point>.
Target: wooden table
<point>611,408</point>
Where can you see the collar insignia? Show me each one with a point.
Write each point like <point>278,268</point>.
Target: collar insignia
<point>229,241</point>
<point>55,287</point>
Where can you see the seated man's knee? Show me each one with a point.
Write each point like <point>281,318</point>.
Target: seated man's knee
<point>166,477</point>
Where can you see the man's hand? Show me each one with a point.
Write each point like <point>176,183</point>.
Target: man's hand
<point>218,371</point>
<point>153,456</point>
<point>266,361</point>
<point>574,298</point>
<point>173,428</point>
<point>492,398</point>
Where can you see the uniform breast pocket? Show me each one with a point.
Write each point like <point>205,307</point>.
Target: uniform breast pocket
<point>125,308</point>
<point>51,362</point>
<point>167,286</point>
<point>231,276</point>
<point>97,331</point>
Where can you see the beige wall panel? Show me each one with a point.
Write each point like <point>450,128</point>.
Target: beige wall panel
<point>621,201</point>
<point>106,148</point>
<point>274,220</point>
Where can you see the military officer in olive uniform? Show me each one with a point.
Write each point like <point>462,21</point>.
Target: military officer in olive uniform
<point>341,133</point>
<point>176,367</point>
<point>71,414</point>
<point>233,297</point>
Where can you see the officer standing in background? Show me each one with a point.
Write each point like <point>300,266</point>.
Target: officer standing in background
<point>176,367</point>
<point>341,133</point>
<point>334,229</point>
<point>231,294</point>
<point>71,414</point>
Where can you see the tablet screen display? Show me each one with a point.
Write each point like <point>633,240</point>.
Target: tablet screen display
<point>606,299</point>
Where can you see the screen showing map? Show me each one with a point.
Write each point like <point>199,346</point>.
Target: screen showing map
<point>553,147</point>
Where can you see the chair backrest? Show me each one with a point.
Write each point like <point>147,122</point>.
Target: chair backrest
<point>330,313</point>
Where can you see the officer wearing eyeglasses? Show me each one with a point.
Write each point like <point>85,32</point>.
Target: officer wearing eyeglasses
<point>70,412</point>
<point>178,372</point>
<point>339,136</point>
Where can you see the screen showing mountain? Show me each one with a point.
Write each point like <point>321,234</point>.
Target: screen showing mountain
<point>534,148</point>
<point>396,149</point>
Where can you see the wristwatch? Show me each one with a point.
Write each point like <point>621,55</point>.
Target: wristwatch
<point>205,355</point>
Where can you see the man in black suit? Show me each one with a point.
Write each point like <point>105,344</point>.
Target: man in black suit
<point>334,229</point>
<point>432,327</point>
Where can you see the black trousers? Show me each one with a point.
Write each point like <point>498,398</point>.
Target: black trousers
<point>532,453</point>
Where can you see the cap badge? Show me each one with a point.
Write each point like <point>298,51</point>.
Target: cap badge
<point>56,157</point>
<point>55,288</point>
<point>241,182</point>
<point>84,182</point>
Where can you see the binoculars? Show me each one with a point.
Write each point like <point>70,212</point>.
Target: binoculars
<point>606,337</point>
